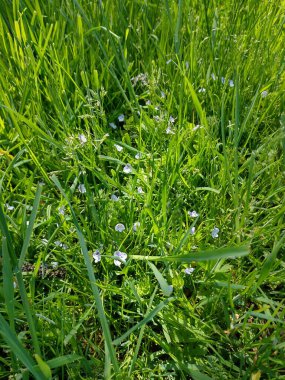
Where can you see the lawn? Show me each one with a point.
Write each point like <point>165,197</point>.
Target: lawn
<point>142,178</point>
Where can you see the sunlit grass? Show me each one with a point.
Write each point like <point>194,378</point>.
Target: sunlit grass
<point>142,189</point>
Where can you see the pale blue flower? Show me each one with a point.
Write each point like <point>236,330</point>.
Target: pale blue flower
<point>120,227</point>
<point>127,169</point>
<point>121,118</point>
<point>118,147</point>
<point>113,125</point>
<point>96,256</point>
<point>189,270</point>
<point>81,188</point>
<point>193,214</point>
<point>82,138</point>
<point>122,255</point>
<point>136,226</point>
<point>215,232</point>
<point>114,198</point>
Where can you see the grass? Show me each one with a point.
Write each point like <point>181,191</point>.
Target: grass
<point>201,88</point>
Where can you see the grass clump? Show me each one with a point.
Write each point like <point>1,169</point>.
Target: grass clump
<point>141,184</point>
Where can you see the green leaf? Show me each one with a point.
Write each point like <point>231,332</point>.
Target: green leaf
<point>43,367</point>
<point>165,287</point>
<point>222,253</point>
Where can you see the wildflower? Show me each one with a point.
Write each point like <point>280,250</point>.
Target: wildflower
<point>187,65</point>
<point>9,207</point>
<point>136,226</point>
<point>162,94</point>
<point>231,83</point>
<point>202,89</point>
<point>140,190</point>
<point>82,138</point>
<point>121,118</point>
<point>171,119</point>
<point>114,198</point>
<point>120,227</point>
<point>189,270</point>
<point>223,80</point>
<point>118,147</point>
<point>54,264</point>
<point>156,118</point>
<point>81,188</point>
<point>192,230</point>
<point>122,255</point>
<point>96,256</point>
<point>213,76</point>
<point>264,94</point>
<point>58,243</point>
<point>113,125</point>
<point>138,156</point>
<point>215,232</point>
<point>127,169</point>
<point>193,214</point>
<point>169,131</point>
<point>61,210</point>
<point>148,102</point>
<point>45,241</point>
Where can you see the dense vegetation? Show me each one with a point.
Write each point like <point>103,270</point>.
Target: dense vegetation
<point>142,189</point>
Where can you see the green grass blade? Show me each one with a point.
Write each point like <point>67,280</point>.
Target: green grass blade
<point>16,347</point>
<point>165,288</point>
<point>145,320</point>
<point>222,253</point>
<point>92,280</point>
<point>30,227</point>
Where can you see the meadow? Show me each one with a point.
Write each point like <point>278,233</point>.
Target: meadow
<point>142,165</point>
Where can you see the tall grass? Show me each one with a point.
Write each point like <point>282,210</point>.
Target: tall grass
<point>200,86</point>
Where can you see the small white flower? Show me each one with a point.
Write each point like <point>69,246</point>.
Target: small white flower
<point>136,226</point>
<point>169,131</point>
<point>148,102</point>
<point>264,94</point>
<point>215,232</point>
<point>121,118</point>
<point>202,89</point>
<point>114,198</point>
<point>156,118</point>
<point>81,188</point>
<point>9,207</point>
<point>82,138</point>
<point>192,230</point>
<point>213,76</point>
<point>120,227</point>
<point>231,83</point>
<point>61,210</point>
<point>193,214</point>
<point>118,147</point>
<point>54,264</point>
<point>189,270</point>
<point>113,125</point>
<point>171,119</point>
<point>140,190</point>
<point>187,65</point>
<point>122,255</point>
<point>127,169</point>
<point>223,80</point>
<point>96,256</point>
<point>162,94</point>
<point>138,156</point>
